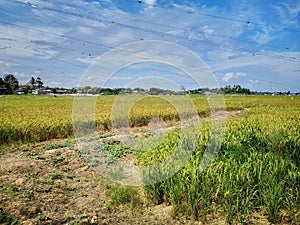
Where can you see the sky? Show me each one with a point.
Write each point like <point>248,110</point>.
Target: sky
<point>254,43</point>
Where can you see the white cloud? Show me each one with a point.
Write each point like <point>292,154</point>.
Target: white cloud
<point>253,81</point>
<point>266,35</point>
<point>239,74</point>
<point>185,8</point>
<point>227,77</point>
<point>150,2</point>
<point>288,12</point>
<point>232,75</point>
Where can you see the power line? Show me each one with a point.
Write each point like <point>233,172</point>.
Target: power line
<point>53,33</point>
<point>206,33</point>
<point>159,33</point>
<point>197,12</point>
<point>68,37</point>
<point>62,36</point>
<point>195,31</point>
<point>78,39</point>
<point>35,67</point>
<point>45,44</point>
<point>81,41</point>
<point>26,49</point>
<point>32,52</point>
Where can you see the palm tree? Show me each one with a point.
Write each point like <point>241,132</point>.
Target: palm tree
<point>11,83</point>
<point>2,86</point>
<point>1,82</point>
<point>39,82</point>
<point>32,82</point>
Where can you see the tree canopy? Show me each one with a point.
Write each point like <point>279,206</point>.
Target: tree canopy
<point>9,84</point>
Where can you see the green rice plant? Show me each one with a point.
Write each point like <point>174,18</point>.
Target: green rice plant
<point>257,169</point>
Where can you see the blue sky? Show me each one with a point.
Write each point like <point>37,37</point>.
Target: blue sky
<point>252,43</point>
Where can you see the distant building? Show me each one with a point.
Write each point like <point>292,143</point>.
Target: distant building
<point>62,92</point>
<point>20,92</point>
<point>39,92</point>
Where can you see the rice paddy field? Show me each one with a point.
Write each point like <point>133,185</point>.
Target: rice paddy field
<point>255,178</point>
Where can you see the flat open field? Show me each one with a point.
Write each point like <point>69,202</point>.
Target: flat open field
<point>47,178</point>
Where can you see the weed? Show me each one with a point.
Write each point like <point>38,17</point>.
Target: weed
<point>14,188</point>
<point>117,173</point>
<point>5,218</point>
<point>45,189</point>
<point>56,159</point>
<point>56,145</point>
<point>59,185</point>
<point>71,176</point>
<point>32,153</point>
<point>83,194</point>
<point>31,176</point>
<point>106,135</point>
<point>43,217</point>
<point>46,181</point>
<point>29,194</point>
<point>65,169</point>
<point>69,218</point>
<point>41,157</point>
<point>113,149</point>
<point>68,188</point>
<point>123,195</point>
<point>97,179</point>
<point>56,176</point>
<point>3,149</point>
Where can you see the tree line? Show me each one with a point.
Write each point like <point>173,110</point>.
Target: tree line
<point>9,84</point>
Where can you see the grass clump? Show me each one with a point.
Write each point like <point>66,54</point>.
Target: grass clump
<point>123,195</point>
<point>5,218</point>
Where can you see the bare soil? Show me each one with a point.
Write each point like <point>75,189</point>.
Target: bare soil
<point>39,186</point>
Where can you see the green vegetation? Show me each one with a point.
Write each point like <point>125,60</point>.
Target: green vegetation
<point>114,149</point>
<point>256,171</point>
<point>55,145</point>
<point>9,84</point>
<point>7,219</point>
<point>123,195</point>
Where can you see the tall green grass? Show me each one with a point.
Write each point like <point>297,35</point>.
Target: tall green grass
<point>257,170</point>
